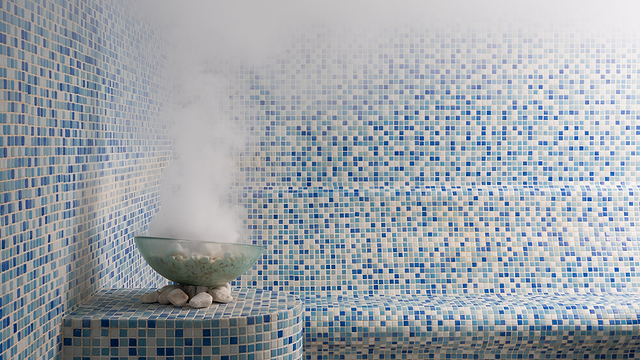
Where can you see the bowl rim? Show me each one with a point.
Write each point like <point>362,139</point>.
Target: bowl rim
<point>146,237</point>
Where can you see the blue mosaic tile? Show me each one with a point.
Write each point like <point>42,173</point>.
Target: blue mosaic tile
<point>416,106</point>
<point>256,325</point>
<point>446,240</point>
<point>83,141</point>
<point>479,326</point>
<point>445,163</point>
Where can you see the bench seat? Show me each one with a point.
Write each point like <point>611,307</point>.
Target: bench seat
<point>473,326</point>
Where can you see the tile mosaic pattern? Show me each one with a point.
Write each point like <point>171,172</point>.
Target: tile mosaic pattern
<point>444,161</point>
<point>487,326</point>
<point>82,145</point>
<point>454,164</point>
<point>256,325</point>
<point>408,161</point>
<point>444,107</point>
<point>446,240</point>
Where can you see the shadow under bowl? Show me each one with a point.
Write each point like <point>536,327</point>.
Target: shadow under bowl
<point>191,262</point>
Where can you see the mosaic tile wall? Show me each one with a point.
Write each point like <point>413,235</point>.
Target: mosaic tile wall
<point>409,160</point>
<point>82,147</point>
<point>418,160</point>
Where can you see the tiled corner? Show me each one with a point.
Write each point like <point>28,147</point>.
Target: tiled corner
<point>83,142</point>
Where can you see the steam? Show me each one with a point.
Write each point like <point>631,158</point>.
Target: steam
<point>195,192</point>
<point>207,36</point>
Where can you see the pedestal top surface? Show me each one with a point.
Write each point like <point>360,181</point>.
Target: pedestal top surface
<point>125,304</point>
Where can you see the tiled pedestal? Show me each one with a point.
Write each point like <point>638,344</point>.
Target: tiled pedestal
<point>115,324</point>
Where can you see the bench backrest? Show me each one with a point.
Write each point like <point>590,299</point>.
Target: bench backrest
<point>436,241</point>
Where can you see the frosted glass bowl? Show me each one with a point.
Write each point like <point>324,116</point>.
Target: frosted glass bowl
<point>190,262</point>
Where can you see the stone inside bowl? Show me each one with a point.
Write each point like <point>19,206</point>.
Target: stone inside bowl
<point>191,262</point>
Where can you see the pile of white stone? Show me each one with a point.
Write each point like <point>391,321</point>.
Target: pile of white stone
<point>194,296</point>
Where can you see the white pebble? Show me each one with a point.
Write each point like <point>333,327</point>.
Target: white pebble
<point>221,294</point>
<point>224,289</point>
<point>178,297</point>
<point>150,298</point>
<point>201,300</point>
<point>162,299</point>
<point>228,286</point>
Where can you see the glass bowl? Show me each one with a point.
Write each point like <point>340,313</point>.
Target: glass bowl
<point>191,262</point>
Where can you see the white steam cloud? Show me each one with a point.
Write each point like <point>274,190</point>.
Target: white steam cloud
<point>195,191</point>
<point>206,33</point>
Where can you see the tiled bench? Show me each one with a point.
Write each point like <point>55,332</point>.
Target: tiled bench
<point>115,324</point>
<point>348,253</point>
<point>488,326</point>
